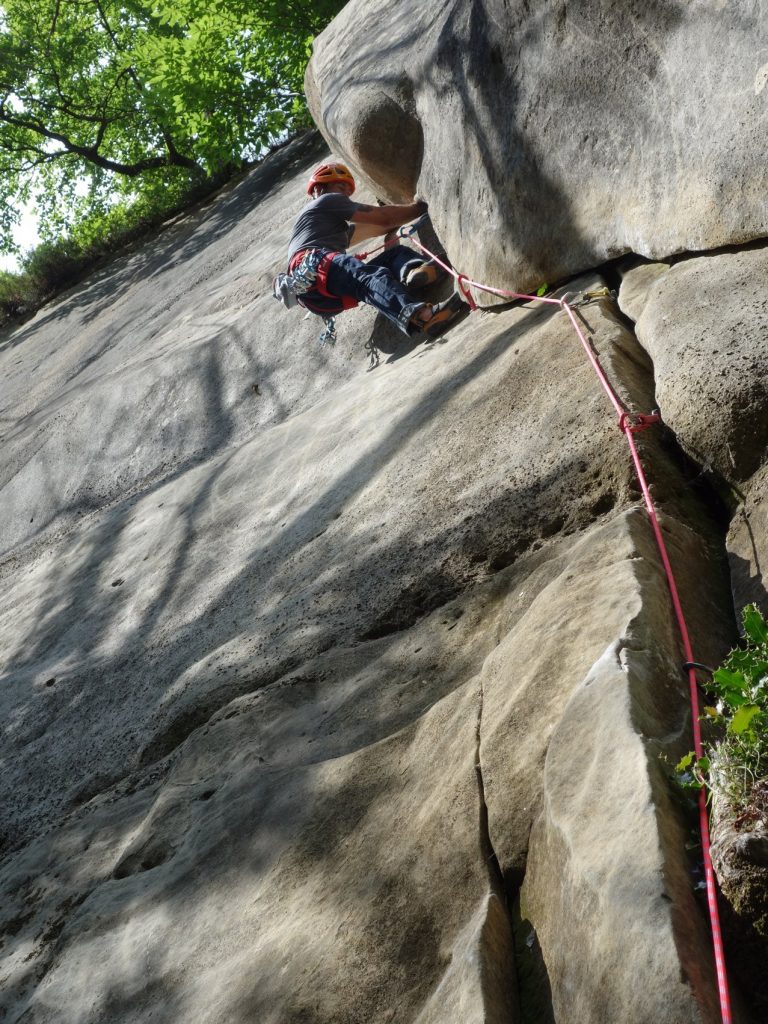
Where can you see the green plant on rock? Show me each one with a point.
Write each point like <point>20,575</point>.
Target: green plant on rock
<point>736,758</point>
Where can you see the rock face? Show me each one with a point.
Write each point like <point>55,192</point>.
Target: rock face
<point>302,693</point>
<point>563,133</point>
<point>704,322</point>
<point>334,696</point>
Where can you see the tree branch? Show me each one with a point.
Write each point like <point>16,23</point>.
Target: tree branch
<point>91,153</point>
<point>56,12</point>
<point>175,157</point>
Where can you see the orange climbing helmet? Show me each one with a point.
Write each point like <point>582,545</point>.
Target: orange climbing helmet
<point>329,174</point>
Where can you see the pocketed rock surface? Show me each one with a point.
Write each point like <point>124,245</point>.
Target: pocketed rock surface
<point>311,672</point>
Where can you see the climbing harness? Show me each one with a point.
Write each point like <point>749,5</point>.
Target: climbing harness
<point>302,278</point>
<point>631,423</point>
<point>307,272</point>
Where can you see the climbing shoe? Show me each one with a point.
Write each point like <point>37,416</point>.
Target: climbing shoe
<point>423,274</point>
<point>443,316</point>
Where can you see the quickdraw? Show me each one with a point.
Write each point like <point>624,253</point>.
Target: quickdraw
<point>287,288</point>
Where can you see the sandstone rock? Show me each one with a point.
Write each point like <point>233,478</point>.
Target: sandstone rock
<point>299,539</point>
<point>618,718</point>
<point>637,282</point>
<point>162,374</point>
<point>278,889</point>
<point>351,871</point>
<point>279,719</point>
<point>748,545</point>
<point>562,134</point>
<point>704,324</point>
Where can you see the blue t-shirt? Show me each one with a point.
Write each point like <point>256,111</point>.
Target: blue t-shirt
<point>323,224</point>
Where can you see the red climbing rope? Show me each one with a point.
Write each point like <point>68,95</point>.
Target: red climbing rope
<point>629,424</point>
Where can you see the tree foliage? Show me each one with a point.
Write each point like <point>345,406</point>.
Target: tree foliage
<point>136,96</point>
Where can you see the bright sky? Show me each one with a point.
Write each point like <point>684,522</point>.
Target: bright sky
<point>25,234</point>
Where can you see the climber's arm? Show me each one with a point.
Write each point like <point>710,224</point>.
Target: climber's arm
<point>372,221</point>
<point>361,232</point>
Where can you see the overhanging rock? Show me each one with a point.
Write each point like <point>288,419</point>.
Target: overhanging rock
<point>562,134</point>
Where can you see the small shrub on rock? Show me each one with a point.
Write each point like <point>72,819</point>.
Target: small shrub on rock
<point>737,755</point>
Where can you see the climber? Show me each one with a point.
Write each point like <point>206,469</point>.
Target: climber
<point>326,280</point>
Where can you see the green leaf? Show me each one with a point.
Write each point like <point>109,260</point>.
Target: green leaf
<point>542,289</point>
<point>755,625</point>
<point>743,719</point>
<point>726,679</point>
<point>685,762</point>
<point>732,687</point>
